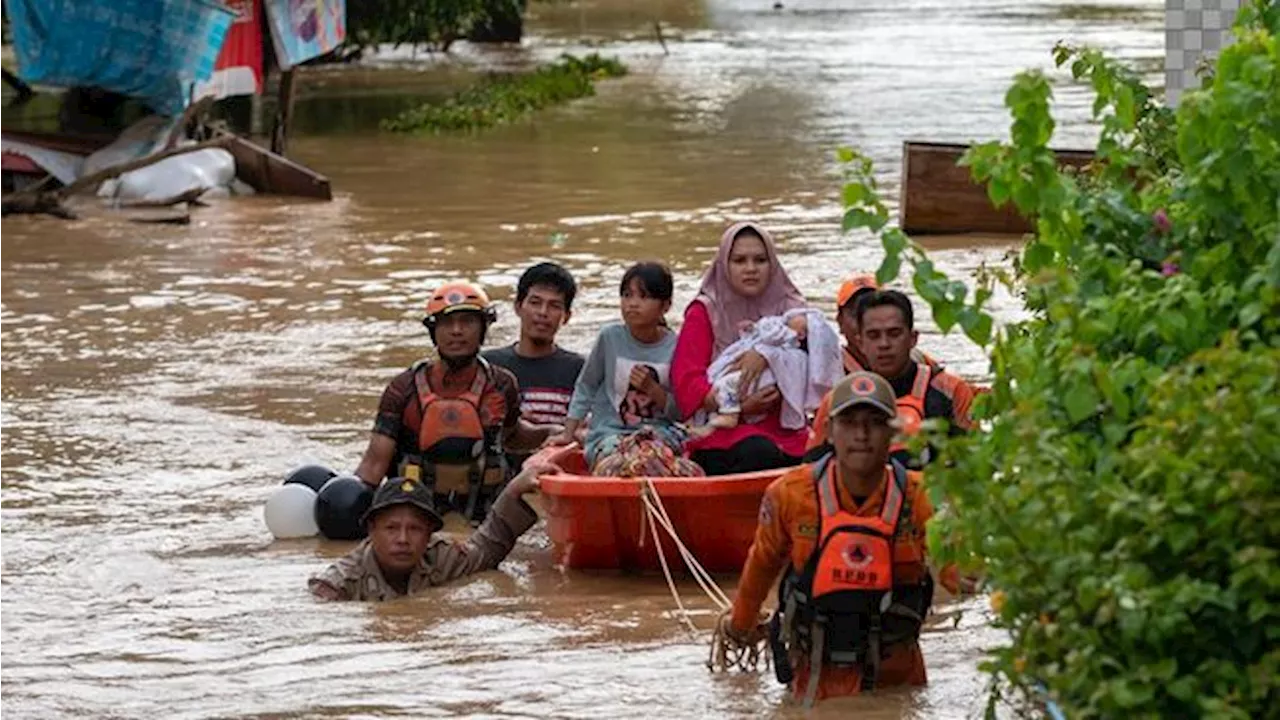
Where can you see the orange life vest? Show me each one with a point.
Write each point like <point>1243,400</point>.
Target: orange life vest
<point>854,554</point>
<point>845,606</point>
<point>851,364</point>
<point>457,452</point>
<point>911,408</point>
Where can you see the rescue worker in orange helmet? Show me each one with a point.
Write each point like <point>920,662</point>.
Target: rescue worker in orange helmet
<point>850,532</point>
<point>851,291</point>
<point>886,338</point>
<point>447,423</point>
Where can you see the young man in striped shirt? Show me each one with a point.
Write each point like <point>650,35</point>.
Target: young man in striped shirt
<point>546,372</point>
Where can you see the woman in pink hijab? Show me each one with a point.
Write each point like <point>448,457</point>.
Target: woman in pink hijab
<point>744,284</point>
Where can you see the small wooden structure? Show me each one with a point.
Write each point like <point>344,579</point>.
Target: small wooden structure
<point>261,169</point>
<point>274,174</point>
<point>940,197</point>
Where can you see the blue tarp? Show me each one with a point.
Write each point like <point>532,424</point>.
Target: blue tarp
<point>152,50</point>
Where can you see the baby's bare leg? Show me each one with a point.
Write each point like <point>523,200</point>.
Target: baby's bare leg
<point>719,421</point>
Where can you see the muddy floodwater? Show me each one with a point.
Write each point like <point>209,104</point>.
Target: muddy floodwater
<point>159,381</point>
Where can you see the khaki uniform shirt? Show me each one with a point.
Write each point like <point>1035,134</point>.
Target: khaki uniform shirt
<point>356,576</point>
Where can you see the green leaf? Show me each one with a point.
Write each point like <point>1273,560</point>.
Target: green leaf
<point>944,314</point>
<point>860,218</point>
<point>1126,111</point>
<point>998,191</point>
<point>1250,314</point>
<point>980,333</point>
<point>1080,401</point>
<point>1036,257</point>
<point>1061,54</point>
<point>894,241</point>
<point>888,271</point>
<point>976,325</point>
<point>845,155</point>
<point>856,195</point>
<point>924,271</point>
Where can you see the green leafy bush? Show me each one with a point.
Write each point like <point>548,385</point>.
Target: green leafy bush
<point>504,99</point>
<point>1123,498</point>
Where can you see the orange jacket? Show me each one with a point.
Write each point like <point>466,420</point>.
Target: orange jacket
<point>956,390</point>
<point>788,530</point>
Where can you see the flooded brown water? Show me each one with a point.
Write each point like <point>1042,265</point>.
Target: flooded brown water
<point>159,381</point>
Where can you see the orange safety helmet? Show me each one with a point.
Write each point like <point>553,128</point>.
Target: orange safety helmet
<point>458,297</point>
<point>853,286</point>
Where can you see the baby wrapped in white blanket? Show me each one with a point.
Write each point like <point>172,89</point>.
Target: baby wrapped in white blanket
<point>803,354</point>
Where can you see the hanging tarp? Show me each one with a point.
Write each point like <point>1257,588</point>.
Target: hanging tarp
<point>152,50</point>
<point>239,67</point>
<point>306,29</point>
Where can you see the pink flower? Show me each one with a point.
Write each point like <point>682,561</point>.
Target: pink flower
<point>1161,219</point>
<point>1169,269</point>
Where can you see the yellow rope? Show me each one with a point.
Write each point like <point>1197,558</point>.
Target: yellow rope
<point>725,652</point>
<point>658,512</point>
<point>662,559</point>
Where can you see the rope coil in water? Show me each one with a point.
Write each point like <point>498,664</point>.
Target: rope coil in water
<point>726,652</point>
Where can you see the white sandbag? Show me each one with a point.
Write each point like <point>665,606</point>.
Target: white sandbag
<point>204,169</point>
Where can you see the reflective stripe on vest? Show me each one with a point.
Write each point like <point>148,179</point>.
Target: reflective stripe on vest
<point>851,364</point>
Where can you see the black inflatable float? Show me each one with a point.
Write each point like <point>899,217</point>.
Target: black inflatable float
<point>313,476</point>
<point>339,506</point>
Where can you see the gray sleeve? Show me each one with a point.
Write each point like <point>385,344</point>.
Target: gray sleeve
<point>592,375</point>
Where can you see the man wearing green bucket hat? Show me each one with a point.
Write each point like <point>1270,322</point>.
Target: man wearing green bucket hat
<point>401,557</point>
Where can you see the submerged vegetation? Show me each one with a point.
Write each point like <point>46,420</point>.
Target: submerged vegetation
<point>507,98</point>
<point>1123,500</point>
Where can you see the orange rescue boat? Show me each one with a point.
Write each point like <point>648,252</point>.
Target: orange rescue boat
<point>600,523</point>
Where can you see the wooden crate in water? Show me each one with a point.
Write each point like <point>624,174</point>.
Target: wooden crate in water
<point>939,197</point>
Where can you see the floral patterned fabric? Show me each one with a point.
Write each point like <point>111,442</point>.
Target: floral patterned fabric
<point>645,453</point>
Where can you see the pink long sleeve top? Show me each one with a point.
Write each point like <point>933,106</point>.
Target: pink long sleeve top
<point>693,355</point>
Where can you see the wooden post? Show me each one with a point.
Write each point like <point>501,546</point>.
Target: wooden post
<point>284,112</point>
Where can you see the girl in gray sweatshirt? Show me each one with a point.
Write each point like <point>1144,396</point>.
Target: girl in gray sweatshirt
<point>625,384</point>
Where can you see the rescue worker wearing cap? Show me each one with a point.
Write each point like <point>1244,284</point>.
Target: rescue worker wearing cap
<point>446,423</point>
<point>851,291</point>
<point>850,532</point>
<point>400,557</point>
<point>886,339</point>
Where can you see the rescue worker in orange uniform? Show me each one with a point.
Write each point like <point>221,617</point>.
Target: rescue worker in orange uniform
<point>447,423</point>
<point>851,291</point>
<point>886,339</point>
<point>850,531</point>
